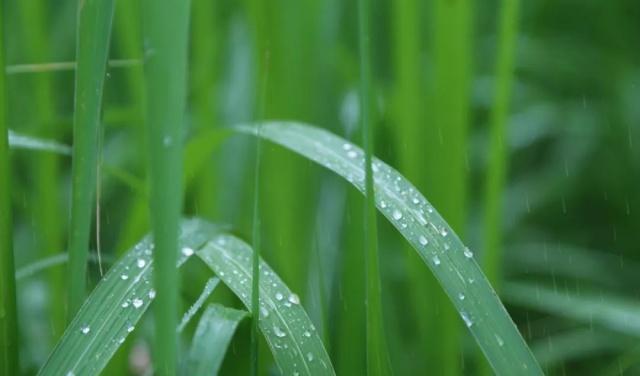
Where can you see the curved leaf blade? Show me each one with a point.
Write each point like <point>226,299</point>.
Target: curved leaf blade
<point>114,307</point>
<point>292,338</point>
<point>434,240</point>
<point>211,340</point>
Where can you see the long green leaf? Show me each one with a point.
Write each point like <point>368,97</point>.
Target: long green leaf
<point>439,247</point>
<point>111,312</point>
<point>9,346</point>
<point>293,339</point>
<point>166,31</point>
<point>92,51</point>
<point>610,311</point>
<point>20,141</point>
<point>213,335</point>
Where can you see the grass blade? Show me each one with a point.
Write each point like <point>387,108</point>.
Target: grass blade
<point>112,310</point>
<point>377,353</point>
<point>213,335</point>
<point>492,256</point>
<point>610,311</point>
<point>293,339</point>
<point>166,33</point>
<point>9,346</point>
<point>20,141</point>
<point>195,307</point>
<point>92,51</point>
<point>439,247</point>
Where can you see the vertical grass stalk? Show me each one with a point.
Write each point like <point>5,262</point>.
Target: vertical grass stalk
<point>45,211</point>
<point>413,143</point>
<point>446,167</point>
<point>257,244</point>
<point>496,173</point>
<point>377,354</point>
<point>92,51</point>
<point>166,33</point>
<point>9,350</point>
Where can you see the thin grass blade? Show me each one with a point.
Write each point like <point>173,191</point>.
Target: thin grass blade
<point>608,310</point>
<point>9,346</point>
<point>92,52</point>
<point>166,30</point>
<point>195,307</point>
<point>211,340</point>
<point>439,247</point>
<point>293,339</point>
<point>20,141</point>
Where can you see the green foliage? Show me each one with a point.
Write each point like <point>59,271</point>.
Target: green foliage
<point>439,247</point>
<point>211,339</point>
<point>92,52</point>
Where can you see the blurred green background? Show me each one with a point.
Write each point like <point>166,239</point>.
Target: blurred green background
<point>565,236</point>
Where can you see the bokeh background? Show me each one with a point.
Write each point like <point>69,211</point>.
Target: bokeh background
<point>566,184</point>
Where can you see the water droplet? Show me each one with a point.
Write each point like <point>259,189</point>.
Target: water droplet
<point>383,204</point>
<point>85,329</point>
<point>467,253</point>
<point>137,302</point>
<point>141,263</point>
<point>415,201</point>
<point>264,312</point>
<point>423,240</point>
<point>279,296</point>
<point>130,328</point>
<point>124,304</point>
<point>467,320</point>
<point>444,232</point>
<point>461,296</point>
<point>499,340</point>
<point>121,340</point>
<point>352,154</point>
<point>306,334</point>
<point>309,356</point>
<point>446,246</point>
<point>346,147</point>
<point>294,299</point>
<point>152,294</point>
<point>278,332</point>
<point>186,251</point>
<point>124,277</point>
<point>397,214</point>
<point>436,260</point>
<point>70,373</point>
